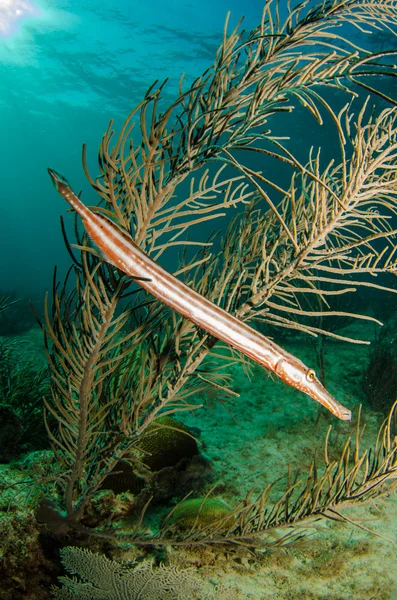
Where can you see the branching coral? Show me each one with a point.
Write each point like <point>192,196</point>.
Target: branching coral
<point>327,224</point>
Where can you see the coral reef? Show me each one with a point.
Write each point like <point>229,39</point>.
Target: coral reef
<point>122,363</point>
<point>117,367</point>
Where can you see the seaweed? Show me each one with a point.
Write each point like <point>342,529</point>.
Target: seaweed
<point>15,314</point>
<point>22,388</point>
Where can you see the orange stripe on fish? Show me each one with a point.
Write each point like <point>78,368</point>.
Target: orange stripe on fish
<point>120,250</point>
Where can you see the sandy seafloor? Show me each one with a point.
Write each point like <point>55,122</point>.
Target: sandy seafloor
<point>277,427</point>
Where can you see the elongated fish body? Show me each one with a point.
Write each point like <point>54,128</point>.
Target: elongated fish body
<point>119,249</point>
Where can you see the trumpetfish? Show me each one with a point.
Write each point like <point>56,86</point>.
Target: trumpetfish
<point>119,249</point>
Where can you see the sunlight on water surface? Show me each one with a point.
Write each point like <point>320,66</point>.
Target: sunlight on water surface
<point>12,12</point>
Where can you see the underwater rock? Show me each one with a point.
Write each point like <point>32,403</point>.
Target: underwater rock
<point>123,479</point>
<point>168,445</point>
<point>175,482</point>
<point>379,382</point>
<point>165,444</point>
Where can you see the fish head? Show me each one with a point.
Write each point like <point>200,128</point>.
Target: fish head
<point>298,375</point>
<point>60,182</point>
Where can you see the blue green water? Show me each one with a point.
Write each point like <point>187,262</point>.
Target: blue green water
<point>65,71</point>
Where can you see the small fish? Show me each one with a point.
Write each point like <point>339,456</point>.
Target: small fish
<point>120,250</point>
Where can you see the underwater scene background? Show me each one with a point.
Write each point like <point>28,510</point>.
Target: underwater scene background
<point>139,457</point>
<point>67,69</point>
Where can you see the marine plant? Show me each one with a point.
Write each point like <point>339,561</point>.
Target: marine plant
<point>6,301</point>
<point>120,359</point>
<point>22,387</point>
<point>15,315</point>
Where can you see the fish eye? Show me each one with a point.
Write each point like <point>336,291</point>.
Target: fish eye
<point>310,375</point>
